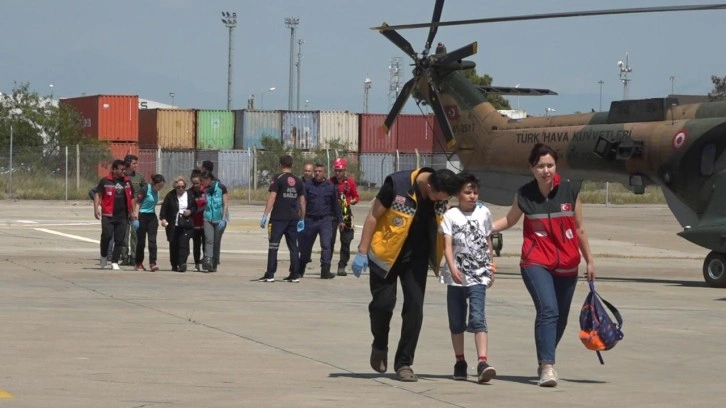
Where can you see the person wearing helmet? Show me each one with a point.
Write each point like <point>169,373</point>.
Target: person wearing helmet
<point>347,196</point>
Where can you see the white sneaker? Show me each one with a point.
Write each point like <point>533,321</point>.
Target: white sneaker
<point>548,378</point>
<point>115,266</point>
<point>103,262</point>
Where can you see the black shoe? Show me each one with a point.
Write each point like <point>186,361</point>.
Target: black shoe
<point>327,275</point>
<point>290,279</point>
<point>341,271</point>
<point>207,264</point>
<point>265,279</point>
<point>460,370</point>
<point>182,268</point>
<point>485,372</point>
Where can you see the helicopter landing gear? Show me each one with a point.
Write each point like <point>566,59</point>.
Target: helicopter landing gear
<point>497,243</point>
<point>714,270</point>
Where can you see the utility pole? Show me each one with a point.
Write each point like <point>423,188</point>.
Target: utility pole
<point>230,21</point>
<point>601,82</point>
<point>300,42</point>
<point>291,23</point>
<point>625,69</point>
<point>673,80</point>
<point>367,84</point>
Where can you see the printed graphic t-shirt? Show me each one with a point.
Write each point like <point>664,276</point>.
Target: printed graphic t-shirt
<point>469,232</point>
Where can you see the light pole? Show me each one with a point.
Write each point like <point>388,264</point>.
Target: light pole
<point>367,84</point>
<point>601,82</point>
<point>517,86</point>
<point>300,42</point>
<point>262,97</point>
<point>172,94</point>
<point>230,21</point>
<point>307,103</point>
<point>51,93</point>
<point>625,69</point>
<point>673,80</point>
<point>549,110</point>
<point>291,23</point>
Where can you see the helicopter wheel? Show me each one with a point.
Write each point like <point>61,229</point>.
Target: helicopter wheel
<point>497,243</point>
<point>714,270</point>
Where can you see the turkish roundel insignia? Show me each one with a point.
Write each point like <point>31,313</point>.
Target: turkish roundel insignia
<point>565,207</point>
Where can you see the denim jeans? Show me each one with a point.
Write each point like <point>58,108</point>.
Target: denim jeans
<point>456,305</point>
<point>552,296</point>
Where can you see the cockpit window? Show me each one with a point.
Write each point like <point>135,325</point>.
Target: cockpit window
<point>708,159</point>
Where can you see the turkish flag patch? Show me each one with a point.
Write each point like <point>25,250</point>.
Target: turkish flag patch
<point>566,207</point>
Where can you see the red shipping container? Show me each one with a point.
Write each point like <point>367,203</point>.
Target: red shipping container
<point>415,132</point>
<point>372,137</point>
<point>439,140</point>
<point>113,118</point>
<point>147,162</point>
<point>118,151</point>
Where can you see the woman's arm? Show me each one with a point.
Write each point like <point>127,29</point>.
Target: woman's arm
<point>584,243</point>
<point>511,219</point>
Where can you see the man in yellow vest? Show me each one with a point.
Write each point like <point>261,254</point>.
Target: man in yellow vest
<point>400,239</point>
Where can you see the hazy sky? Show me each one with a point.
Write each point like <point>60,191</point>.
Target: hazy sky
<point>154,47</point>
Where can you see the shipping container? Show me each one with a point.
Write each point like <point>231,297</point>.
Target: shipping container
<point>117,151</point>
<point>235,168</point>
<point>415,132</point>
<point>148,160</point>
<point>375,167</point>
<point>372,137</point>
<point>439,140</point>
<point>215,129</point>
<point>300,129</point>
<point>113,118</point>
<point>167,128</point>
<point>175,163</point>
<point>340,128</point>
<point>251,125</point>
<point>204,155</point>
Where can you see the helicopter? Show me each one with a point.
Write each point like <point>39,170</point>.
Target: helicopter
<point>639,142</point>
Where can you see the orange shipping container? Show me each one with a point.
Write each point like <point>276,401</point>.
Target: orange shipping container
<point>113,118</point>
<point>118,151</point>
<point>167,128</point>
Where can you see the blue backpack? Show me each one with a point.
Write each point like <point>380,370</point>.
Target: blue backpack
<point>597,330</point>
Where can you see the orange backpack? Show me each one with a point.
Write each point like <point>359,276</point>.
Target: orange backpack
<point>597,330</point>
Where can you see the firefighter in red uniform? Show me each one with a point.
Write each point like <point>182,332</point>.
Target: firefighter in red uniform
<point>347,196</point>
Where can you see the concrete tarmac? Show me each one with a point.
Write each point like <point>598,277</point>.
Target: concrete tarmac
<point>77,336</point>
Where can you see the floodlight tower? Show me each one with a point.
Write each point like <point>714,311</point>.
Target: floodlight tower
<point>367,84</point>
<point>625,69</point>
<point>230,21</point>
<point>291,23</point>
<point>300,42</point>
<point>394,80</point>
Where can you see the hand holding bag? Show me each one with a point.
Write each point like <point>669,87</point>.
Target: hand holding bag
<point>184,222</point>
<point>597,330</point>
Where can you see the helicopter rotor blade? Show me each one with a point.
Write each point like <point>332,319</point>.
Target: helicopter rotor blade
<point>459,54</point>
<point>438,7</point>
<point>441,116</point>
<point>398,105</point>
<point>638,10</point>
<point>398,39</point>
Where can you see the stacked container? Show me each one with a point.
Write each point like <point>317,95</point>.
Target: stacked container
<point>415,132</point>
<point>215,129</point>
<point>167,128</point>
<point>252,125</point>
<point>300,129</point>
<point>373,139</point>
<point>109,118</point>
<point>339,127</point>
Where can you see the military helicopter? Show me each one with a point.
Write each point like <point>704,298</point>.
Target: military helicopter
<point>637,143</point>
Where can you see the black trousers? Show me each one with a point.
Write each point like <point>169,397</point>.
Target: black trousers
<point>198,244</point>
<point>112,229</point>
<point>346,237</point>
<point>412,275</point>
<point>179,246</point>
<point>148,225</point>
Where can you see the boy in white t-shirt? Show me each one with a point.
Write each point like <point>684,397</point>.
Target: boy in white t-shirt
<point>468,271</point>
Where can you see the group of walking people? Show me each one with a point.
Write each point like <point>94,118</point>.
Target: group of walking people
<point>409,229</point>
<point>126,205</point>
<point>305,209</point>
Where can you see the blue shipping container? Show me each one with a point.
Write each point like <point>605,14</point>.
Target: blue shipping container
<point>252,125</point>
<point>301,129</point>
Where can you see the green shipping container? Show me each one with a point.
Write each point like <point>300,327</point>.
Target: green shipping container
<point>215,129</point>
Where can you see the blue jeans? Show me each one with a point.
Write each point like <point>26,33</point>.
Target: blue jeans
<point>456,299</point>
<point>552,296</point>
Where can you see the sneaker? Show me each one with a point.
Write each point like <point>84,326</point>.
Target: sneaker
<point>207,264</point>
<point>139,267</point>
<point>115,266</point>
<point>341,271</point>
<point>103,262</point>
<point>328,275</point>
<point>485,372</point>
<point>292,280</point>
<point>197,267</point>
<point>265,279</point>
<point>182,268</point>
<point>460,370</point>
<point>153,267</point>
<point>548,378</point>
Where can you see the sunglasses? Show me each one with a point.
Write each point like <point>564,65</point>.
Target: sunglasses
<point>181,186</point>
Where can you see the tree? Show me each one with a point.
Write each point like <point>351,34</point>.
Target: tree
<point>498,101</point>
<point>719,88</point>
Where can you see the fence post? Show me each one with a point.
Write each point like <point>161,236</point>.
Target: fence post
<point>249,176</point>
<point>254,167</point>
<point>607,194</point>
<point>158,160</point>
<point>10,174</point>
<point>66,173</point>
<point>398,161</point>
<point>78,167</point>
<point>418,164</point>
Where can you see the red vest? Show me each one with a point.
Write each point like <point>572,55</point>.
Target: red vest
<point>550,234</point>
<point>108,195</point>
